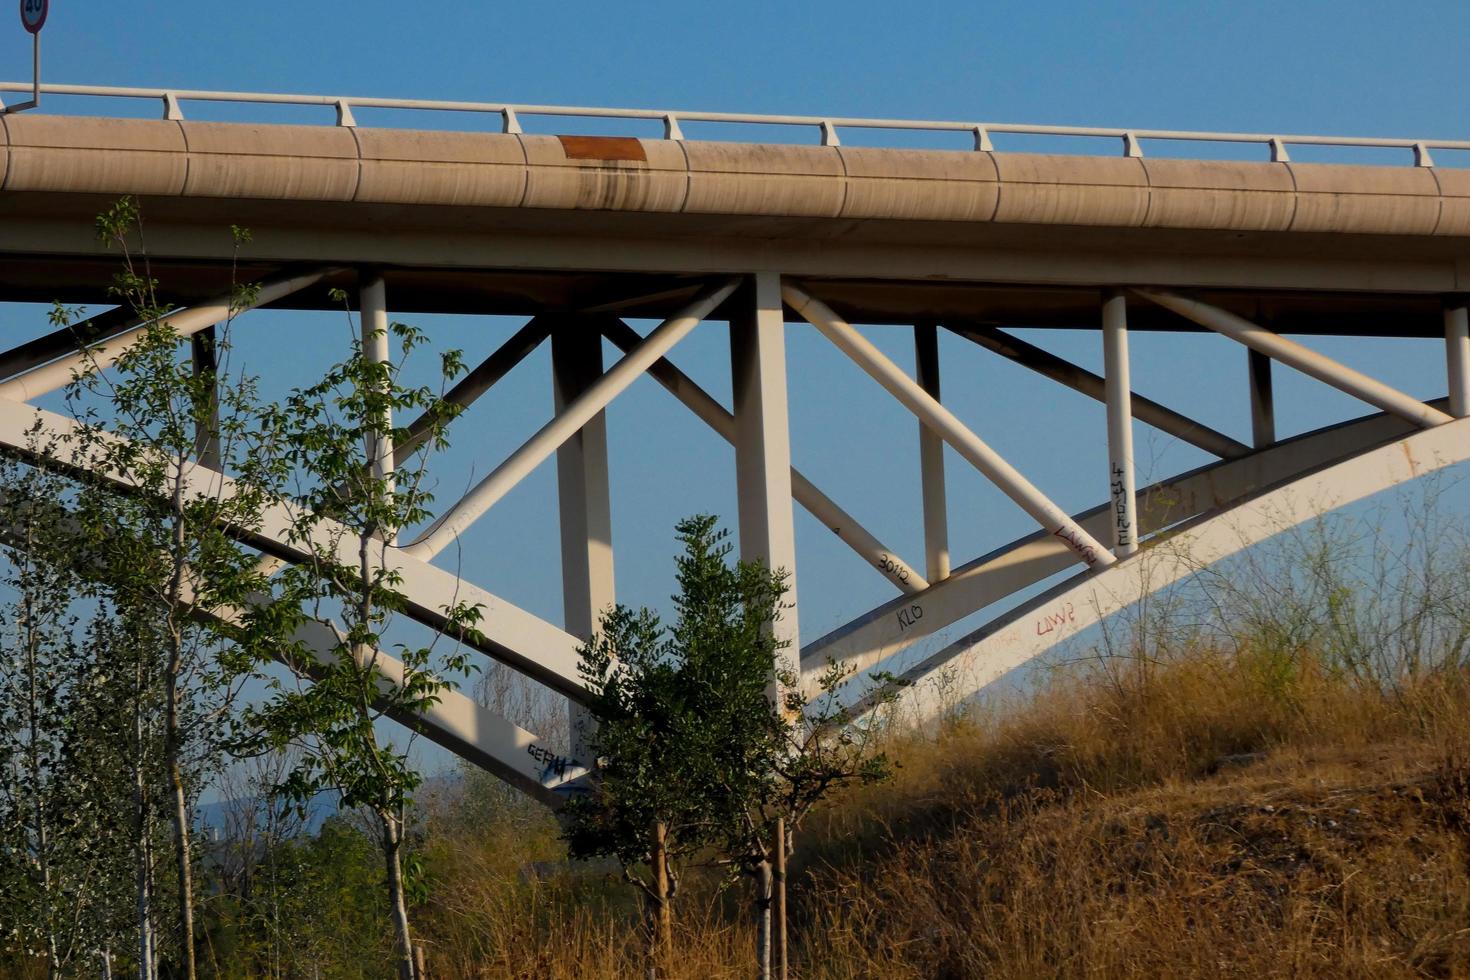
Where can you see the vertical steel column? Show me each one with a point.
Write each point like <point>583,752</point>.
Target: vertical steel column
<point>1457,358</point>
<point>1263,400</point>
<point>206,433</point>
<point>1120,424</point>
<point>585,501</point>
<point>373,299</point>
<point>931,458</point>
<point>763,441</point>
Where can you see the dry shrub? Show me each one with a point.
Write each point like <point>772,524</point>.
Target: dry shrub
<point>1280,789</point>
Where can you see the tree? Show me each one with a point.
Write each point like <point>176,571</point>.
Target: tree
<point>62,848</point>
<point>347,505</point>
<point>694,755</point>
<point>165,550</point>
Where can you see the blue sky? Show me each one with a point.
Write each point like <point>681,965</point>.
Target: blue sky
<point>1342,68</point>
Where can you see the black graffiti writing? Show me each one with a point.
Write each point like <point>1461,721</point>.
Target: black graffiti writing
<point>551,763</point>
<point>1073,537</point>
<point>1121,522</point>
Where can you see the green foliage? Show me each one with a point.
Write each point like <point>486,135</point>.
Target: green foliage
<point>64,865</point>
<point>690,735</point>
<point>343,517</point>
<point>308,906</point>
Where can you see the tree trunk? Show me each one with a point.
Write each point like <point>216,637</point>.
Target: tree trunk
<point>173,734</point>
<point>180,818</point>
<point>140,821</point>
<point>780,913</point>
<point>763,920</point>
<point>392,855</point>
<point>38,797</point>
<point>106,964</point>
<point>663,920</point>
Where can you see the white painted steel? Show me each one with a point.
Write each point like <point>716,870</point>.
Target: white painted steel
<point>1121,483</point>
<point>1041,624</point>
<point>584,501</point>
<point>373,299</point>
<point>896,625</point>
<point>1263,399</point>
<point>966,443</point>
<point>763,445</point>
<point>818,504</point>
<point>539,447</point>
<point>509,633</point>
<point>470,731</point>
<point>826,127</point>
<point>1146,410</point>
<point>463,394</point>
<point>931,458</point>
<point>59,373</point>
<point>451,720</point>
<point>1457,358</point>
<point>1304,359</point>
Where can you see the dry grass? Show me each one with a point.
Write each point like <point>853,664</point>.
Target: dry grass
<point>1212,815</point>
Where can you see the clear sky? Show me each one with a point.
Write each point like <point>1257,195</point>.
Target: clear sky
<point>1344,67</point>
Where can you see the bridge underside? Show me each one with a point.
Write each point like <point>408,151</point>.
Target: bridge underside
<point>1250,251</point>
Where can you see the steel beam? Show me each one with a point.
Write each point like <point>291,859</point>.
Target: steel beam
<point>66,340</point>
<point>585,501</point>
<point>541,445</point>
<point>1121,483</point>
<point>931,458</point>
<point>506,632</point>
<point>1079,379</point>
<point>59,373</point>
<point>763,444</point>
<point>1055,520</point>
<point>1263,399</point>
<point>373,307</point>
<point>1304,359</point>
<point>1039,625</point>
<point>893,627</point>
<point>451,719</point>
<point>1457,358</point>
<point>818,504</point>
<point>204,354</point>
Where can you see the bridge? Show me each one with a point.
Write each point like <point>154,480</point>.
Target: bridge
<point>581,234</point>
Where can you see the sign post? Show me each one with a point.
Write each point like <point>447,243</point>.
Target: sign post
<point>33,18</point>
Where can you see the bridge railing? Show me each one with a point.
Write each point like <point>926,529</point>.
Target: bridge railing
<point>825,128</point>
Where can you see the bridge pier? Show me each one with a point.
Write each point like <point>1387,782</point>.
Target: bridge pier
<point>763,441</point>
<point>584,501</point>
<point>1457,358</point>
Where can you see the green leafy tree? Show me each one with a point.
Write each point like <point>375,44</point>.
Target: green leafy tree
<point>695,757</point>
<point>348,506</point>
<point>165,554</point>
<point>63,846</point>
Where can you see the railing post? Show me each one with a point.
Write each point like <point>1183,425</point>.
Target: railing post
<point>1121,481</point>
<point>1457,357</point>
<point>763,441</point>
<point>931,458</point>
<point>585,502</point>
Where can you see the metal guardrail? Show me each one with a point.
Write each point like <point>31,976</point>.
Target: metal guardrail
<point>826,126</point>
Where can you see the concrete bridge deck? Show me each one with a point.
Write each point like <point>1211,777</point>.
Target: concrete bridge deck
<point>519,223</point>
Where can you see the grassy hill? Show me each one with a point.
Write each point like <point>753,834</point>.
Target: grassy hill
<point>1204,814</point>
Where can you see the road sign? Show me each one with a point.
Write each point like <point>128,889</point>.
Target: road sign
<point>33,14</point>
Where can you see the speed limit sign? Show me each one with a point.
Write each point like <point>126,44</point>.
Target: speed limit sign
<point>33,14</point>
